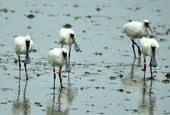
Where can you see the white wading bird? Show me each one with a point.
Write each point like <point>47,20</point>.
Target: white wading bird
<point>58,57</point>
<point>23,45</point>
<point>136,30</point>
<point>149,47</point>
<point>67,37</point>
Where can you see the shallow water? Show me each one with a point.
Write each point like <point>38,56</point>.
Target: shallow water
<point>105,79</point>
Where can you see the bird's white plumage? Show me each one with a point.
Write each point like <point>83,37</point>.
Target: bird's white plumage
<point>20,44</point>
<point>55,56</point>
<point>136,29</point>
<point>145,45</point>
<point>64,36</point>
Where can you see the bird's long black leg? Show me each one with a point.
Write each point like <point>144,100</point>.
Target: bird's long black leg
<point>54,72</point>
<point>25,65</point>
<point>19,63</point>
<point>19,67</point>
<point>151,68</point>
<point>60,70</point>
<point>139,52</point>
<point>144,67</point>
<point>133,47</point>
<point>69,54</point>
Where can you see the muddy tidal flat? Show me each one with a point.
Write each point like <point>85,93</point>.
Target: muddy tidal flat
<point>105,78</point>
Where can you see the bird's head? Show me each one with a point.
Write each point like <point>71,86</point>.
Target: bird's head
<point>146,23</point>
<point>64,51</point>
<point>28,38</point>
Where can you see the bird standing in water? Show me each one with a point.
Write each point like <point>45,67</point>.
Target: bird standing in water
<point>136,30</point>
<point>68,37</point>
<point>23,45</point>
<point>149,47</point>
<point>58,57</point>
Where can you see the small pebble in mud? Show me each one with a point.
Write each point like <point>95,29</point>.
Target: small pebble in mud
<point>166,66</point>
<point>3,102</point>
<point>88,16</point>
<point>86,72</point>
<point>29,27</point>
<point>38,75</point>
<point>82,88</point>
<point>91,80</point>
<point>84,31</point>
<point>166,81</point>
<point>88,111</point>
<point>135,110</point>
<point>107,67</point>
<point>120,90</point>
<point>30,16</point>
<point>167,32</point>
<point>38,104</point>
<point>77,17</point>
<point>121,76</point>
<point>67,15</point>
<point>34,50</point>
<point>76,6</point>
<point>98,9</point>
<point>97,53</point>
<point>167,75</point>
<point>4,10</point>
<point>99,70</point>
<point>162,40</point>
<point>12,11</point>
<point>97,87</point>
<point>127,99</point>
<point>128,92</point>
<point>106,48</point>
<point>158,10</point>
<point>112,77</point>
<point>121,36</point>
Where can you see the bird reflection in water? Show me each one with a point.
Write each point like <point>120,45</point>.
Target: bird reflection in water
<point>64,101</point>
<point>133,65</point>
<point>132,82</point>
<point>19,106</point>
<point>148,103</point>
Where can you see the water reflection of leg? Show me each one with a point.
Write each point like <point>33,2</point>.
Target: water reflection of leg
<point>19,88</point>
<point>26,101</point>
<point>150,90</point>
<point>25,88</point>
<point>53,108</point>
<point>69,84</point>
<point>132,68</point>
<point>139,62</point>
<point>143,93</point>
<point>152,104</point>
<point>59,98</point>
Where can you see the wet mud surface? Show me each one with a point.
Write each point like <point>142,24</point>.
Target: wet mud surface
<point>105,79</point>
